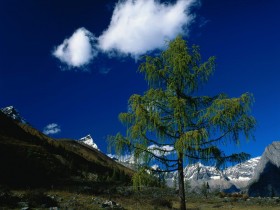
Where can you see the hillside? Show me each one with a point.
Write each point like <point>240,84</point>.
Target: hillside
<point>30,158</point>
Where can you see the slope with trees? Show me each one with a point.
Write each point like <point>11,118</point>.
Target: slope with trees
<point>28,158</point>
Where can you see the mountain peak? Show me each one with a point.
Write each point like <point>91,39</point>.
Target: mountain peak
<point>88,140</point>
<point>266,179</point>
<point>13,113</point>
<point>196,174</point>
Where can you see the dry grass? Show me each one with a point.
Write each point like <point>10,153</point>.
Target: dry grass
<point>70,200</point>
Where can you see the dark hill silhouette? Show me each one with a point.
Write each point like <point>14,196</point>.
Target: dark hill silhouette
<point>29,158</point>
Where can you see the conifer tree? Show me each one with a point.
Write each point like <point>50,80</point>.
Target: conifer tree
<point>205,189</point>
<point>173,124</point>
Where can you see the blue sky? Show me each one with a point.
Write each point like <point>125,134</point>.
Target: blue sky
<point>84,93</point>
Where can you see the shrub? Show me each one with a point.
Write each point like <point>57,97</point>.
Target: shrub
<point>162,202</point>
<point>38,198</point>
<point>245,196</point>
<point>7,198</point>
<point>222,194</point>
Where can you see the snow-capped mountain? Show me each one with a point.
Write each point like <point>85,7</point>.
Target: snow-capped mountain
<point>88,140</point>
<point>199,171</point>
<point>126,160</point>
<point>242,173</point>
<point>196,174</point>
<point>11,112</point>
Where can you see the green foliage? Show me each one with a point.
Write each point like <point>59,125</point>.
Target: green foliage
<point>171,113</point>
<point>143,179</point>
<point>194,125</point>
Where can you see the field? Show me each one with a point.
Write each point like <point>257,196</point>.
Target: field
<point>126,198</point>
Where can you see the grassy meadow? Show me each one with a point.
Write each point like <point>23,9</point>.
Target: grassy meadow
<point>127,199</point>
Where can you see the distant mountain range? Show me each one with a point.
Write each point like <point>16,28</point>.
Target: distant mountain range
<point>197,174</point>
<point>236,177</point>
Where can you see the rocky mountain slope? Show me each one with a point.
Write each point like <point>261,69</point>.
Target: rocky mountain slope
<point>266,180</point>
<point>13,113</point>
<point>238,175</point>
<point>242,173</point>
<point>197,174</point>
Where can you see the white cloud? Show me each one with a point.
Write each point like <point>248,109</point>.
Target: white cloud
<point>139,26</point>
<point>77,51</point>
<point>160,151</point>
<point>136,28</point>
<point>52,128</point>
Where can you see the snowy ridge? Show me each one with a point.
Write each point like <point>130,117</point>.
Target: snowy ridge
<point>238,175</point>
<point>242,171</point>
<point>88,140</point>
<point>122,158</point>
<point>199,171</point>
<point>11,112</point>
<point>126,160</point>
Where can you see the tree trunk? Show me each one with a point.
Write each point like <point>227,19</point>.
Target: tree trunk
<point>181,183</point>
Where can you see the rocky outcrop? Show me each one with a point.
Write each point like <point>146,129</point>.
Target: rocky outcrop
<point>266,180</point>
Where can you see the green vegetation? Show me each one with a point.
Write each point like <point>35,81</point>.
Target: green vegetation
<point>171,113</point>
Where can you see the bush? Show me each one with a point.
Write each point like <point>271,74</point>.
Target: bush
<point>222,194</point>
<point>245,196</point>
<point>38,198</point>
<point>7,198</point>
<point>162,202</point>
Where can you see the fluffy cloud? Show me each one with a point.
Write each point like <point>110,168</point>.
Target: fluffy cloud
<point>76,51</point>
<point>52,128</point>
<point>160,151</point>
<point>138,26</point>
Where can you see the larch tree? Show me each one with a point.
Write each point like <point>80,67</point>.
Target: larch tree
<point>174,125</point>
